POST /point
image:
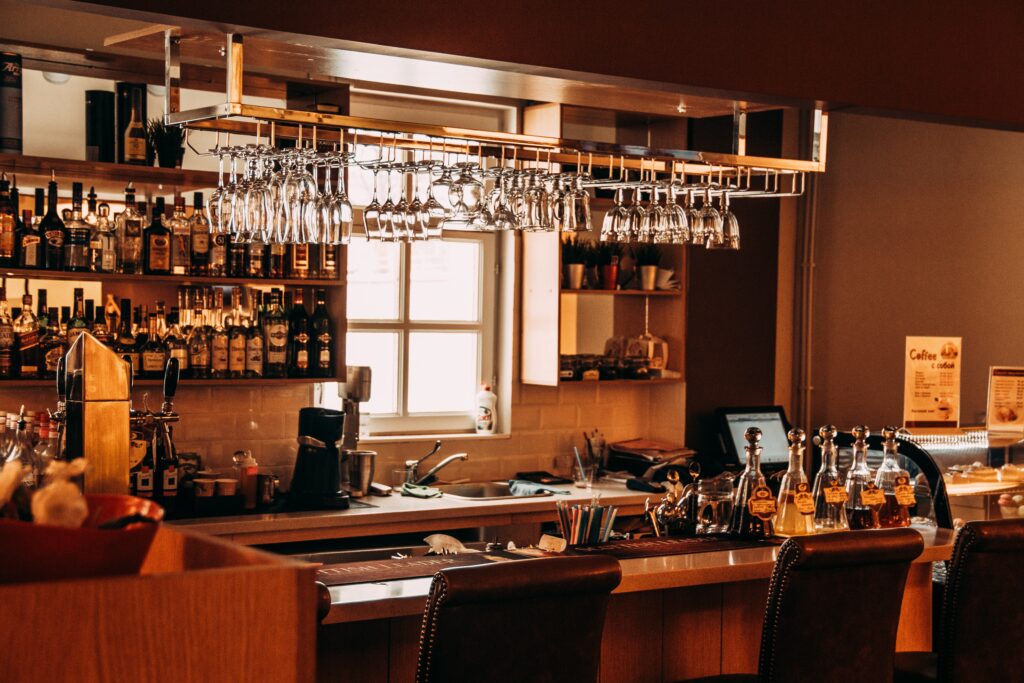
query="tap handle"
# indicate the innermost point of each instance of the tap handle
(171, 374)
(131, 372)
(62, 380)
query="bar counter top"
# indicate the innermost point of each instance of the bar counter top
(369, 601)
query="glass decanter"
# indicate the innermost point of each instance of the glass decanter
(894, 481)
(754, 508)
(829, 493)
(863, 500)
(796, 504)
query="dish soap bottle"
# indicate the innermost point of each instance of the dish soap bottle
(486, 410)
(894, 481)
(796, 504)
(864, 497)
(829, 493)
(754, 508)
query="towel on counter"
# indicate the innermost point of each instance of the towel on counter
(419, 491)
(529, 488)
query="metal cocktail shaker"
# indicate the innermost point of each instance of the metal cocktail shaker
(360, 471)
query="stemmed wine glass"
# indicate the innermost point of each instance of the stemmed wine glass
(678, 226)
(613, 229)
(636, 218)
(371, 214)
(730, 226)
(655, 225)
(257, 202)
(217, 197)
(697, 230)
(711, 222)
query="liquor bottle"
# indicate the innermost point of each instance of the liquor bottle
(26, 334)
(10, 103)
(237, 337)
(90, 311)
(98, 326)
(126, 346)
(78, 234)
(53, 344)
(199, 225)
(42, 312)
(22, 452)
(30, 240)
(254, 343)
(103, 238)
(8, 218)
(157, 240)
(894, 481)
(177, 344)
(755, 507)
(128, 231)
(219, 354)
(65, 318)
(90, 207)
(276, 260)
(323, 338)
(864, 498)
(78, 323)
(48, 448)
(219, 255)
(256, 259)
(112, 315)
(198, 344)
(795, 503)
(328, 269)
(298, 261)
(275, 335)
(299, 338)
(6, 335)
(52, 228)
(829, 493)
(181, 239)
(154, 353)
(134, 140)
(236, 258)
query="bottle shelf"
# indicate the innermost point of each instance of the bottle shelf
(37, 274)
(108, 179)
(262, 382)
(625, 292)
(655, 380)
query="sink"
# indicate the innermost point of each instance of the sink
(486, 490)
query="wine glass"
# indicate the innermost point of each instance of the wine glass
(730, 226)
(343, 205)
(678, 226)
(614, 224)
(697, 231)
(217, 197)
(328, 214)
(387, 211)
(257, 202)
(711, 222)
(654, 226)
(636, 218)
(371, 214)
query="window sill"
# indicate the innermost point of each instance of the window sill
(402, 438)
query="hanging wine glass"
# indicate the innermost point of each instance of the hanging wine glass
(711, 221)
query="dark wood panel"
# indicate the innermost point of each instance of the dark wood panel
(352, 652)
(742, 618)
(405, 647)
(631, 645)
(692, 633)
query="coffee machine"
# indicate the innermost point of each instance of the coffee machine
(317, 481)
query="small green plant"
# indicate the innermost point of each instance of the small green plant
(607, 253)
(647, 254)
(573, 250)
(159, 134)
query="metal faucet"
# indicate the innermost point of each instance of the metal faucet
(412, 475)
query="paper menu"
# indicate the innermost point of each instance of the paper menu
(931, 383)
(1005, 399)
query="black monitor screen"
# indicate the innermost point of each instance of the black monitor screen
(774, 445)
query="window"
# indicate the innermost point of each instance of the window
(421, 315)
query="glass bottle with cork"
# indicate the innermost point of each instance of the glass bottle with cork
(864, 498)
(754, 509)
(829, 493)
(157, 239)
(128, 228)
(26, 334)
(795, 502)
(52, 228)
(78, 234)
(894, 481)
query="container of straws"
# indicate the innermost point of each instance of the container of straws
(585, 524)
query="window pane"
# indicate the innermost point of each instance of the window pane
(374, 271)
(444, 371)
(379, 350)
(445, 281)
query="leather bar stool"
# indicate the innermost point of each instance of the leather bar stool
(982, 620)
(523, 621)
(833, 607)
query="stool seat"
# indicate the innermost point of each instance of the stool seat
(916, 667)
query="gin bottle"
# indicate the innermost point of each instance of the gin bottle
(829, 493)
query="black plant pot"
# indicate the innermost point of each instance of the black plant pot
(170, 155)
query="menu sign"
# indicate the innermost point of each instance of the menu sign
(1005, 399)
(931, 383)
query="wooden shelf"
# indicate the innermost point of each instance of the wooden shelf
(625, 292)
(34, 274)
(108, 179)
(656, 380)
(265, 382)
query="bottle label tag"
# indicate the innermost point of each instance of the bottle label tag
(159, 253)
(53, 356)
(6, 336)
(835, 493)
(904, 492)
(30, 250)
(762, 504)
(254, 356)
(107, 260)
(871, 496)
(152, 361)
(236, 357)
(200, 242)
(181, 353)
(803, 500)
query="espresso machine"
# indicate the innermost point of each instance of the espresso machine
(317, 482)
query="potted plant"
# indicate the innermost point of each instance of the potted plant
(607, 255)
(648, 258)
(167, 142)
(574, 256)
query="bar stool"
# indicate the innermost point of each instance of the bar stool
(524, 620)
(833, 607)
(982, 621)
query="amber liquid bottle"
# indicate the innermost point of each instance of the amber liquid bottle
(858, 480)
(894, 481)
(754, 506)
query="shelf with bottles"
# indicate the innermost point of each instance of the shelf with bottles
(626, 292)
(70, 276)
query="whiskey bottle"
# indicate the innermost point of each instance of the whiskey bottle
(176, 342)
(256, 259)
(795, 503)
(53, 344)
(128, 231)
(52, 228)
(219, 355)
(78, 233)
(323, 338)
(829, 492)
(236, 258)
(894, 481)
(276, 260)
(328, 269)
(199, 344)
(8, 218)
(219, 255)
(236, 337)
(154, 353)
(99, 326)
(30, 240)
(755, 507)
(275, 334)
(26, 334)
(298, 261)
(199, 225)
(157, 239)
(254, 343)
(6, 335)
(77, 324)
(42, 312)
(864, 498)
(135, 134)
(299, 338)
(181, 239)
(125, 345)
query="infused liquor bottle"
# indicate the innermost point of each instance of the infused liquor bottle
(8, 219)
(219, 255)
(30, 249)
(157, 240)
(126, 346)
(754, 509)
(199, 345)
(829, 493)
(220, 357)
(300, 339)
(199, 225)
(864, 497)
(323, 338)
(103, 238)
(236, 337)
(796, 504)
(52, 228)
(134, 139)
(7, 339)
(181, 239)
(128, 228)
(76, 244)
(26, 333)
(54, 344)
(176, 342)
(894, 482)
(254, 341)
(275, 334)
(154, 353)
(78, 323)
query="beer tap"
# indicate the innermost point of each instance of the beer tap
(59, 416)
